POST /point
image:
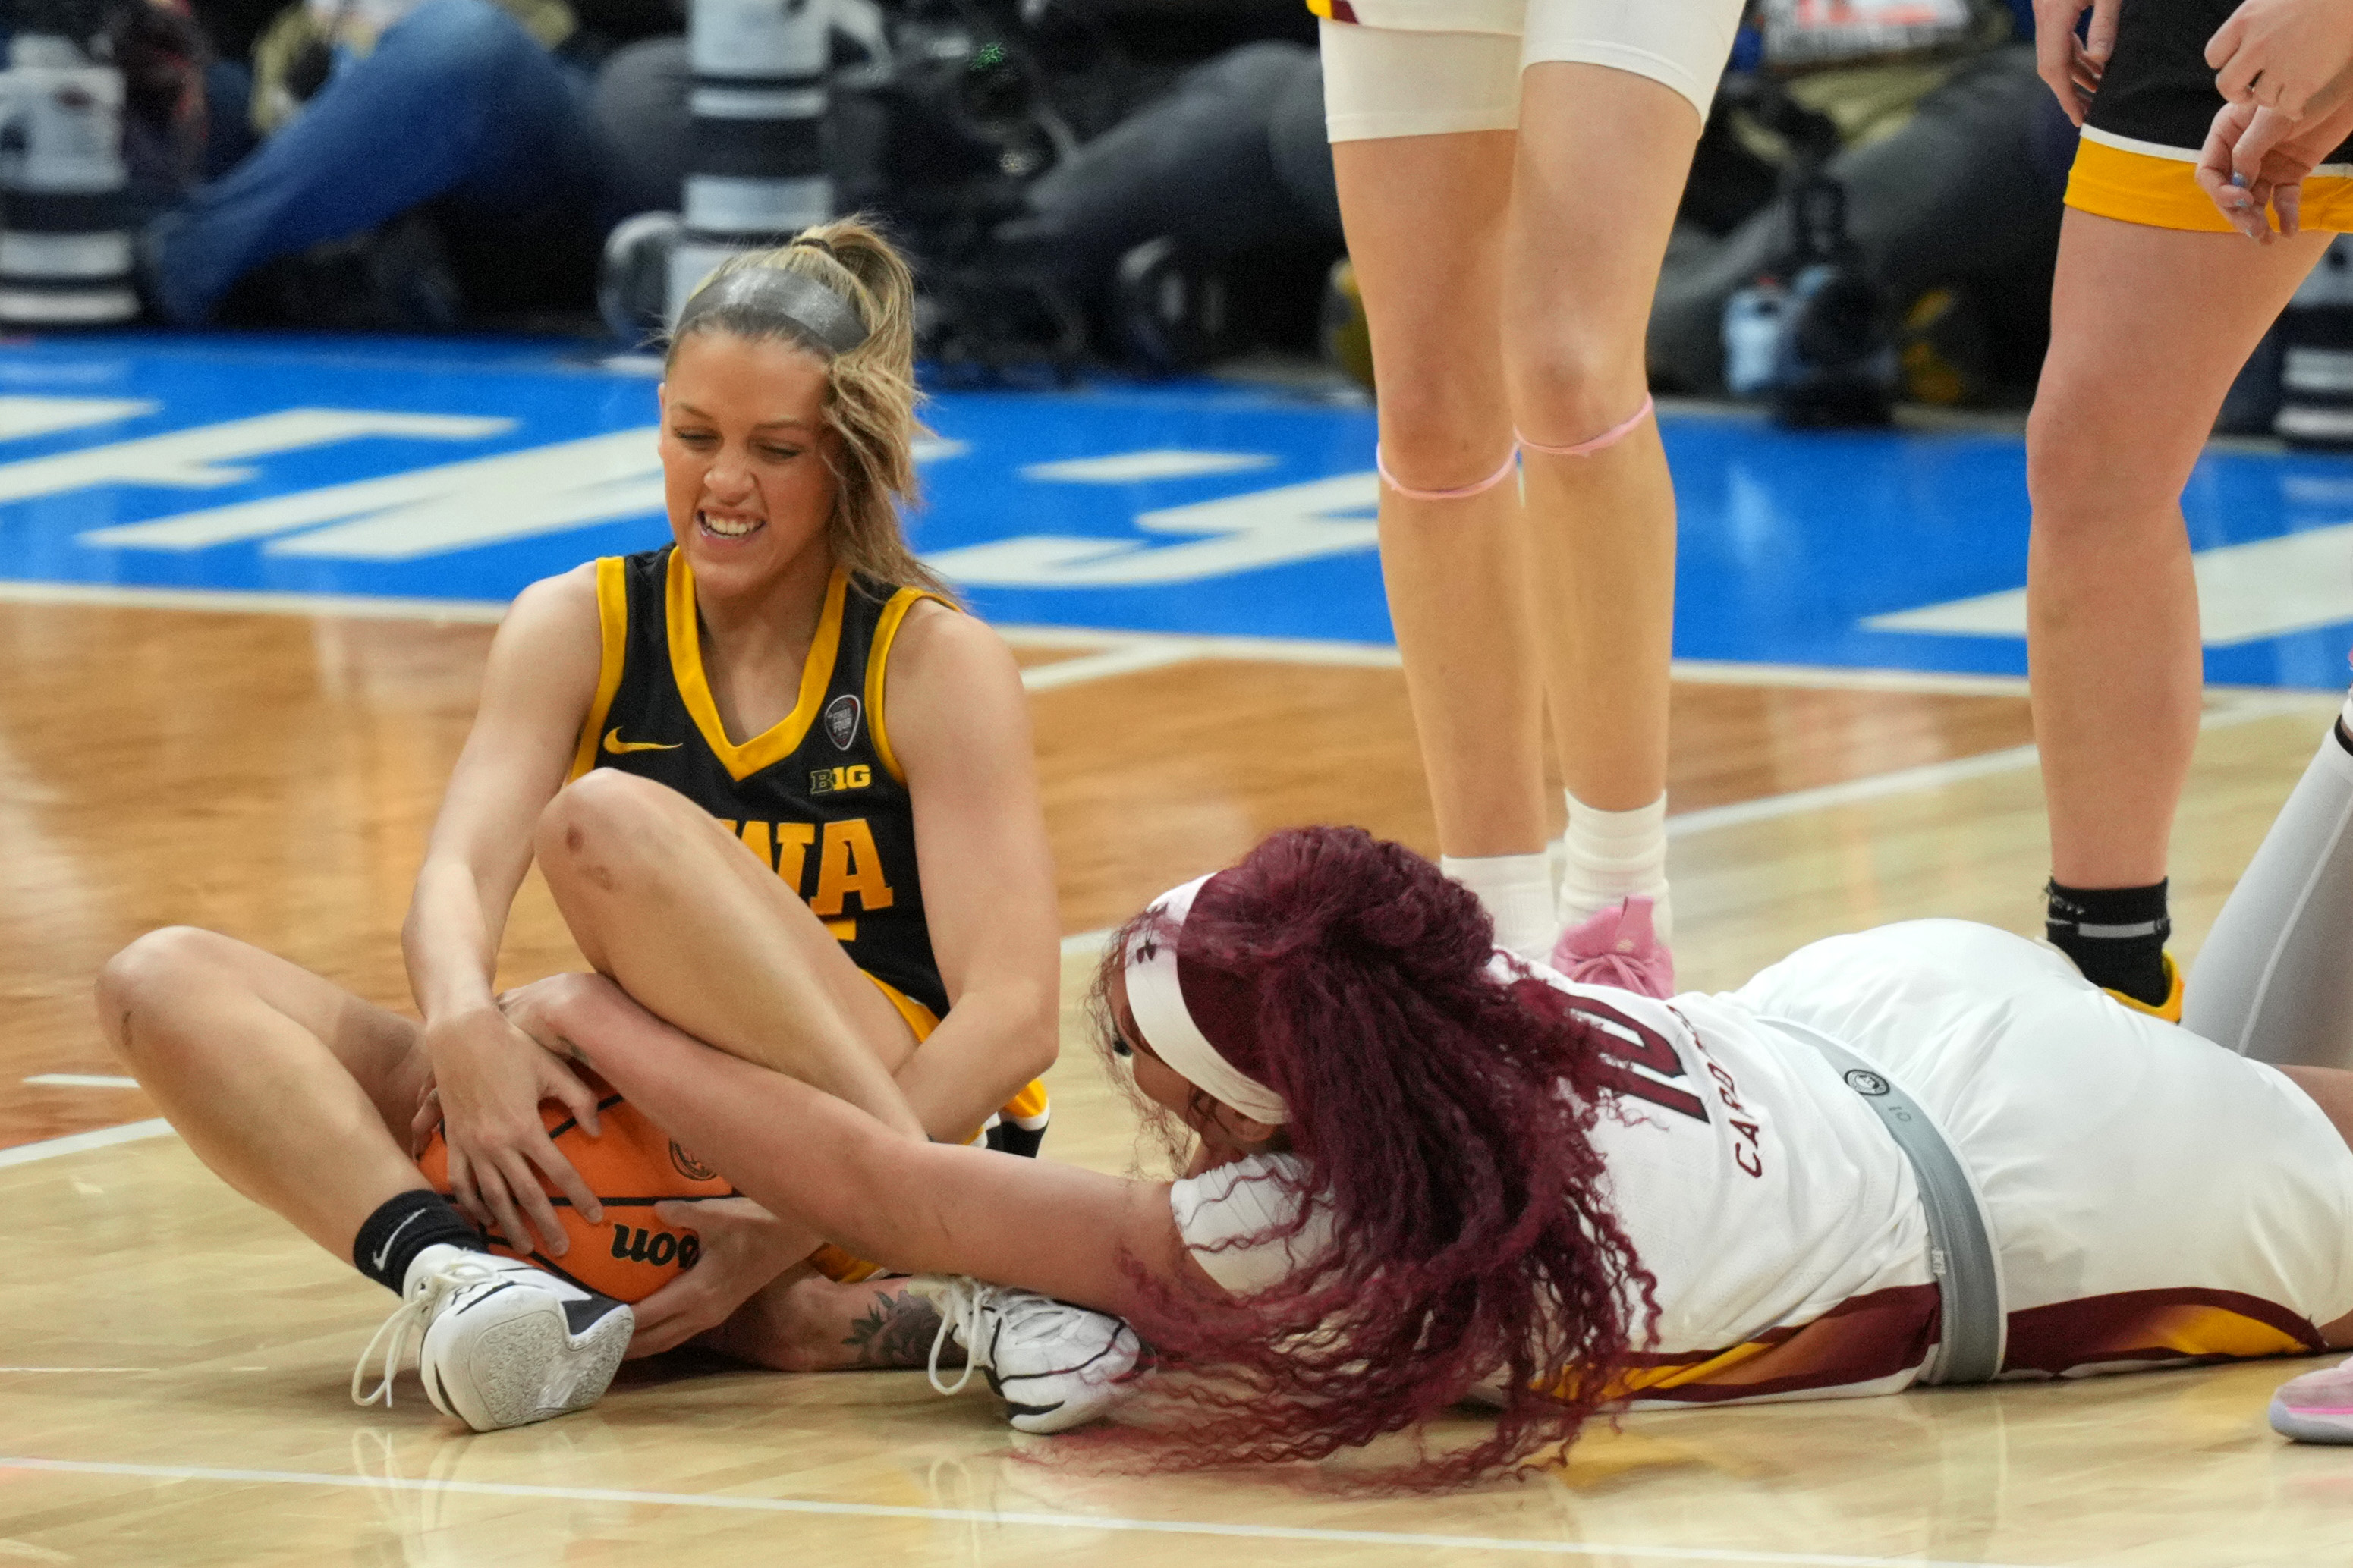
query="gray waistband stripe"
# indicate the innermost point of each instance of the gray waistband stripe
(1968, 1280)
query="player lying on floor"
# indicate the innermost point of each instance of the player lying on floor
(1927, 1152)
(897, 890)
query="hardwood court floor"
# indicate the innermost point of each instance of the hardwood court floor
(176, 1359)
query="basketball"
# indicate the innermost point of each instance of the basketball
(632, 1165)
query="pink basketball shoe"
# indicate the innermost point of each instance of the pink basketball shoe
(2317, 1407)
(1617, 947)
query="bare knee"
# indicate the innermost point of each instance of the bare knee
(146, 975)
(2063, 463)
(599, 829)
(1438, 432)
(1570, 383)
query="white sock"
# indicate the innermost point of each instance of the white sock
(1517, 891)
(1607, 855)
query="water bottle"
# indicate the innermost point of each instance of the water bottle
(1753, 326)
(65, 248)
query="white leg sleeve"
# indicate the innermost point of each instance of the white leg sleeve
(2275, 980)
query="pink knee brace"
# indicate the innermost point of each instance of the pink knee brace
(1511, 459)
(1608, 438)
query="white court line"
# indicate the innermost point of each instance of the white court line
(79, 1369)
(983, 1516)
(81, 1080)
(74, 1142)
(1266, 651)
(2236, 707)
(363, 606)
(1133, 660)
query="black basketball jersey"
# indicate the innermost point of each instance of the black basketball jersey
(818, 796)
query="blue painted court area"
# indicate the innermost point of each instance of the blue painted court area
(464, 469)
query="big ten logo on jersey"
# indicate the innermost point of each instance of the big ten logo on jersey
(848, 866)
(841, 780)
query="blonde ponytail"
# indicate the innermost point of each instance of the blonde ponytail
(871, 393)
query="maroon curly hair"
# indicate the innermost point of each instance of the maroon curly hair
(1472, 1244)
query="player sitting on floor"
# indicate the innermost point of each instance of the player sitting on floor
(1927, 1152)
(720, 705)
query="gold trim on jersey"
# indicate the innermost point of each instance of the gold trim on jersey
(878, 667)
(783, 738)
(613, 628)
(920, 1019)
(2157, 188)
(1026, 1106)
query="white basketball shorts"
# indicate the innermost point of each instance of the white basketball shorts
(2152, 1197)
(1410, 81)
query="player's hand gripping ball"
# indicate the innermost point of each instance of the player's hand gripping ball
(631, 1167)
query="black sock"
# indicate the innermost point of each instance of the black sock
(2338, 729)
(405, 1225)
(2116, 935)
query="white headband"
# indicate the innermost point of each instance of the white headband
(1157, 998)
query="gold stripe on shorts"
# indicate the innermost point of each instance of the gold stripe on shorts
(2159, 190)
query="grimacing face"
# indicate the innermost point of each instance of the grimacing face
(744, 452)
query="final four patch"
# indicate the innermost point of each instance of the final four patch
(841, 721)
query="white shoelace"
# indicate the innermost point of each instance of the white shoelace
(408, 1321)
(969, 1302)
(960, 1315)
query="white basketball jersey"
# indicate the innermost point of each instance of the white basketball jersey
(2153, 1199)
(1780, 1219)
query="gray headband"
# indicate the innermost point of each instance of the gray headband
(792, 300)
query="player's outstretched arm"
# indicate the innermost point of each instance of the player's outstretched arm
(488, 1078)
(918, 1208)
(958, 723)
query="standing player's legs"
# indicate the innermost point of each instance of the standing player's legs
(300, 1096)
(1422, 146)
(2148, 327)
(1613, 100)
(2274, 981)
(1602, 157)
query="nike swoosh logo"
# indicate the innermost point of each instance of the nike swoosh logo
(404, 1225)
(614, 744)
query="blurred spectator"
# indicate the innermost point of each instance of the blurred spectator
(1231, 158)
(1953, 162)
(444, 151)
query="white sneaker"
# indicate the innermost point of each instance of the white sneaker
(502, 1344)
(1055, 1365)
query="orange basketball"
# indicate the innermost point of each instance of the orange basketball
(631, 1165)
